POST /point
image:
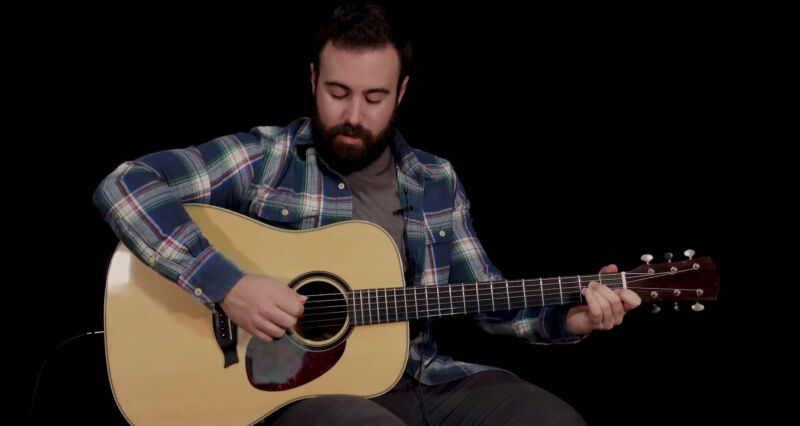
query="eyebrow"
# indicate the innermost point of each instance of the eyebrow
(366, 92)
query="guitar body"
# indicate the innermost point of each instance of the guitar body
(166, 367)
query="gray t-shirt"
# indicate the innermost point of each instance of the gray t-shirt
(375, 197)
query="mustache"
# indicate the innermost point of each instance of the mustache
(350, 130)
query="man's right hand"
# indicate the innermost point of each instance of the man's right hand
(263, 306)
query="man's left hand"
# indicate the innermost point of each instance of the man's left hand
(604, 308)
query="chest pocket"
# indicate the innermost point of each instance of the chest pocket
(287, 211)
(439, 239)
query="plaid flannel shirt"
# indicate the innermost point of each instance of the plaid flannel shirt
(271, 170)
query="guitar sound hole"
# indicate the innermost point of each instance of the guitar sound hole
(325, 312)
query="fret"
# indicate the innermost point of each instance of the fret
(357, 294)
(541, 289)
(600, 278)
(524, 297)
(360, 306)
(386, 299)
(416, 303)
(377, 306)
(438, 301)
(405, 301)
(361, 300)
(427, 306)
(491, 293)
(477, 297)
(464, 295)
(450, 289)
(560, 290)
(508, 296)
(579, 289)
(369, 311)
(396, 314)
(624, 281)
(351, 303)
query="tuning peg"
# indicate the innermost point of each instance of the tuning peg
(689, 253)
(676, 307)
(668, 256)
(698, 307)
(646, 258)
(656, 309)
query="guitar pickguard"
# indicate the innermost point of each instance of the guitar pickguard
(281, 364)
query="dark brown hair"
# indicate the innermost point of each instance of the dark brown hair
(363, 26)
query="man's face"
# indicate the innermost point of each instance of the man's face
(355, 101)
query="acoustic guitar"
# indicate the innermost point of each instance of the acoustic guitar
(171, 361)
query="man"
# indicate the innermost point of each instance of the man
(347, 162)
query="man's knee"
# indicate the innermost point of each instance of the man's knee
(525, 403)
(547, 408)
(334, 410)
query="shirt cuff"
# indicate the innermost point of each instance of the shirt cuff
(211, 276)
(555, 326)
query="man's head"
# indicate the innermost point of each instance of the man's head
(358, 79)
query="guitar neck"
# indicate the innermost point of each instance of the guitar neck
(383, 305)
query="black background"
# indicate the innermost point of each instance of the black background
(583, 138)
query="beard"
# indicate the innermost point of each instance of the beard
(348, 158)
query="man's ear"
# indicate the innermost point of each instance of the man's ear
(313, 80)
(402, 90)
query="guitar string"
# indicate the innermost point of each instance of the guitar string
(512, 284)
(339, 321)
(379, 309)
(317, 324)
(431, 312)
(503, 297)
(553, 282)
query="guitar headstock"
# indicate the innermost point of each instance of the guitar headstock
(691, 280)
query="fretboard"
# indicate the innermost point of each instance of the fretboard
(383, 305)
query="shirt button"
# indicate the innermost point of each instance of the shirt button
(285, 212)
(198, 292)
(442, 233)
(341, 186)
(152, 259)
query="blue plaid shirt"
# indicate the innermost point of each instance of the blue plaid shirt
(270, 171)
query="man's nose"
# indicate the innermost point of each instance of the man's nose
(353, 112)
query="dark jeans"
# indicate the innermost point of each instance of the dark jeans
(487, 398)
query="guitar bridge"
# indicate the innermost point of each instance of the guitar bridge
(226, 334)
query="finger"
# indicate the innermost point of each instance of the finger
(299, 297)
(270, 329)
(630, 300)
(614, 301)
(609, 269)
(281, 318)
(595, 308)
(291, 307)
(607, 320)
(260, 335)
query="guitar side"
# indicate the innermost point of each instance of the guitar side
(164, 364)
